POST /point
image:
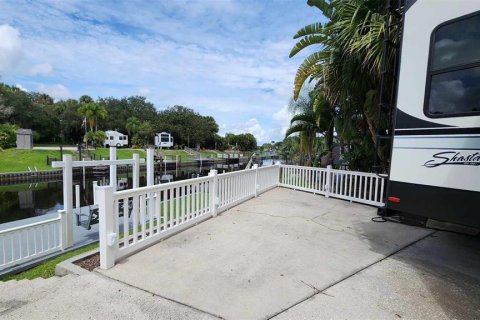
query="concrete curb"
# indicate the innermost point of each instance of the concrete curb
(68, 266)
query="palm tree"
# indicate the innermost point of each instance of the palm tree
(313, 115)
(92, 112)
(348, 67)
(132, 125)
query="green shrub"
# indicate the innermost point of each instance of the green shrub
(8, 135)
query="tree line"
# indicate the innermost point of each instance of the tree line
(72, 121)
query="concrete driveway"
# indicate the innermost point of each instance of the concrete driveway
(268, 256)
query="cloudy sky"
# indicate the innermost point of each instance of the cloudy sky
(225, 58)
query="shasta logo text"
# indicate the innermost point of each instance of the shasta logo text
(453, 158)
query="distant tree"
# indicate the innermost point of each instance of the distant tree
(95, 138)
(92, 113)
(70, 120)
(246, 142)
(133, 123)
(144, 135)
(85, 99)
(187, 126)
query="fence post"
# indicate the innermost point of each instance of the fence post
(150, 168)
(106, 228)
(279, 174)
(77, 196)
(255, 167)
(213, 197)
(63, 228)
(95, 186)
(329, 181)
(136, 171)
(113, 167)
(68, 198)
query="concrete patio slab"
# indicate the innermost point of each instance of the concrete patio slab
(436, 278)
(265, 255)
(86, 297)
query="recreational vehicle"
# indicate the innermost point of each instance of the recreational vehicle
(435, 161)
(115, 139)
(163, 140)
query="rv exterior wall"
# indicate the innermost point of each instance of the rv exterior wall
(435, 159)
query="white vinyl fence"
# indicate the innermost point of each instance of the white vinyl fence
(28, 242)
(132, 219)
(354, 186)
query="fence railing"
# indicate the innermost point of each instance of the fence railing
(28, 242)
(354, 186)
(131, 220)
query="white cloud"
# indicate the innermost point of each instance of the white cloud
(251, 126)
(57, 91)
(19, 86)
(10, 47)
(41, 69)
(281, 122)
(144, 92)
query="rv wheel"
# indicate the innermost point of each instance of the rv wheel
(118, 145)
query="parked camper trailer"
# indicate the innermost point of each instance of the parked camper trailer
(435, 165)
(115, 139)
(163, 140)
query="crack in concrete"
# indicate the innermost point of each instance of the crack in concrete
(311, 286)
(322, 291)
(303, 218)
(158, 295)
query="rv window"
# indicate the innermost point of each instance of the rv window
(453, 80)
(111, 137)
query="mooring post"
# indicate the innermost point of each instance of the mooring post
(136, 171)
(113, 168)
(68, 198)
(150, 167)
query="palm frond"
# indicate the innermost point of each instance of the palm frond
(324, 6)
(306, 69)
(314, 28)
(297, 128)
(305, 117)
(305, 42)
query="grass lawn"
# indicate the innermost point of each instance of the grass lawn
(13, 160)
(47, 268)
(184, 156)
(122, 153)
(23, 187)
(210, 154)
